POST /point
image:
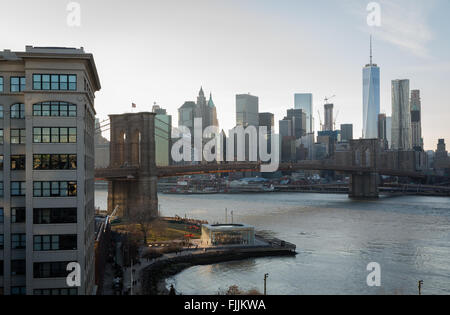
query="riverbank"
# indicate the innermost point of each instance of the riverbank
(155, 275)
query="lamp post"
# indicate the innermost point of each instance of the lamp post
(420, 287)
(265, 283)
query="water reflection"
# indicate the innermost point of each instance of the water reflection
(336, 238)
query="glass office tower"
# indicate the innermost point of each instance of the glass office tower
(304, 101)
(371, 98)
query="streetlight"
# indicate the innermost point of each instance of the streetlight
(420, 287)
(265, 283)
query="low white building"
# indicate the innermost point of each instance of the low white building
(227, 234)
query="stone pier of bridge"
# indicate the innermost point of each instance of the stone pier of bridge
(132, 146)
(365, 154)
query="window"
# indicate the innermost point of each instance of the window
(54, 242)
(2, 241)
(18, 290)
(18, 215)
(1, 272)
(50, 269)
(17, 162)
(55, 82)
(54, 215)
(18, 241)
(55, 189)
(1, 162)
(55, 109)
(18, 136)
(1, 84)
(54, 135)
(63, 291)
(18, 188)
(2, 215)
(55, 161)
(1, 189)
(1, 136)
(1, 110)
(17, 84)
(18, 111)
(18, 267)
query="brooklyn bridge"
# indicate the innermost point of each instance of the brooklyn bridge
(132, 174)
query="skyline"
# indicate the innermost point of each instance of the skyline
(163, 51)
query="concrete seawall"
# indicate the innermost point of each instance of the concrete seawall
(154, 275)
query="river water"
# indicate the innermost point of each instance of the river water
(336, 239)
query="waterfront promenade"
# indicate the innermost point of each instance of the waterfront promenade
(148, 275)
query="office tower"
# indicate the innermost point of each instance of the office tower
(304, 101)
(267, 120)
(186, 115)
(47, 189)
(441, 158)
(288, 149)
(401, 116)
(298, 118)
(285, 127)
(371, 98)
(158, 110)
(382, 126)
(416, 123)
(308, 143)
(389, 131)
(212, 112)
(346, 132)
(382, 130)
(163, 136)
(247, 110)
(328, 126)
(206, 110)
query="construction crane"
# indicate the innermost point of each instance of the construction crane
(320, 118)
(329, 98)
(335, 119)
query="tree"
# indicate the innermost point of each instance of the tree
(143, 218)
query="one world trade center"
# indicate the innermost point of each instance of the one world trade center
(371, 98)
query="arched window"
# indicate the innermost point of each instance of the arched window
(18, 111)
(136, 148)
(55, 109)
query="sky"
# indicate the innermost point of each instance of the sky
(162, 51)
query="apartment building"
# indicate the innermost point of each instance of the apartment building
(47, 121)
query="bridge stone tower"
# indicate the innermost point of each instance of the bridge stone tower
(132, 147)
(365, 154)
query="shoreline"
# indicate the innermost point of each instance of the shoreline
(154, 276)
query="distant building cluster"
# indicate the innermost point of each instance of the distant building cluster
(402, 131)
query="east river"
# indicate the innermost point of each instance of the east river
(336, 238)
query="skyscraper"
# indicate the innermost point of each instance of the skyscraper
(371, 98)
(382, 126)
(247, 110)
(163, 136)
(206, 110)
(304, 101)
(389, 131)
(346, 132)
(401, 116)
(267, 120)
(416, 123)
(328, 126)
(298, 118)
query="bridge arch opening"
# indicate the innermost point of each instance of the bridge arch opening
(121, 146)
(136, 148)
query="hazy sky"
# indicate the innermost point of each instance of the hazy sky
(164, 50)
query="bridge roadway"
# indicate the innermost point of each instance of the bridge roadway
(132, 173)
